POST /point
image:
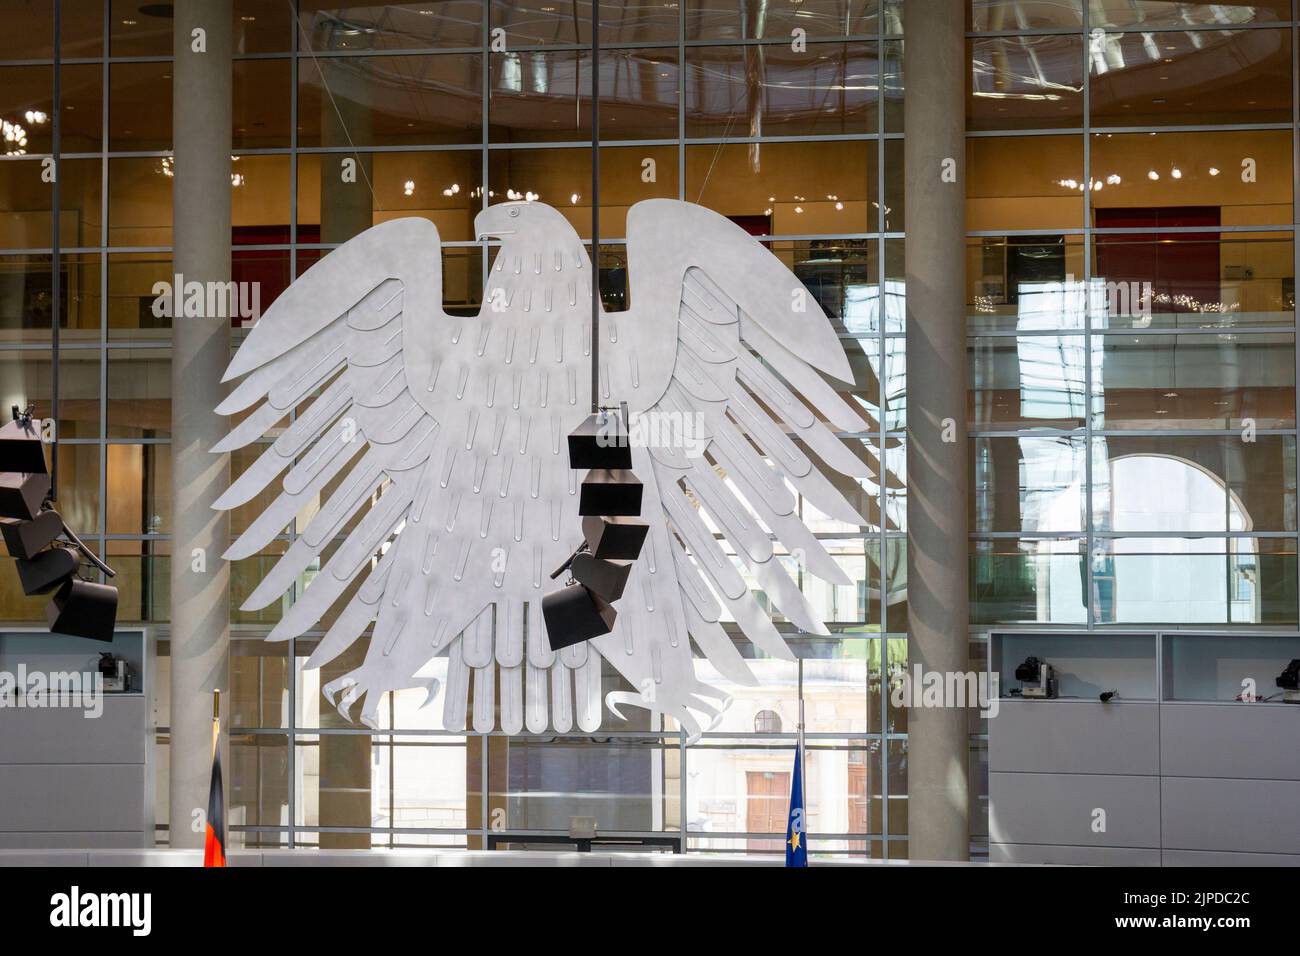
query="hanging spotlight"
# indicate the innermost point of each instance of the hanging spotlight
(610, 506)
(48, 553)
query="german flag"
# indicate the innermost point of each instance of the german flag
(214, 840)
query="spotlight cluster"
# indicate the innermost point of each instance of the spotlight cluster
(49, 554)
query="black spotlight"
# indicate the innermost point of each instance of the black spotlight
(49, 554)
(610, 505)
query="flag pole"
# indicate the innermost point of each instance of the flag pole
(803, 774)
(216, 718)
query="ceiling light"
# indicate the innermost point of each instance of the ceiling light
(1214, 170)
(1152, 175)
(573, 199)
(1176, 173)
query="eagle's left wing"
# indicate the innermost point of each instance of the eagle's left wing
(719, 357)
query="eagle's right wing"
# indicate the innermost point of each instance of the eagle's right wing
(336, 337)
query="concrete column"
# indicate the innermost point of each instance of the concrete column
(200, 579)
(934, 111)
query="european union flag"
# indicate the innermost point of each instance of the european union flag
(796, 847)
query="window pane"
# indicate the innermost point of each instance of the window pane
(766, 187)
(1178, 13)
(1026, 14)
(1027, 580)
(26, 105)
(540, 96)
(768, 90)
(554, 23)
(80, 189)
(1027, 380)
(739, 20)
(133, 32)
(131, 299)
(139, 202)
(260, 103)
(25, 204)
(638, 94)
(263, 26)
(1025, 283)
(1027, 82)
(391, 26)
(626, 784)
(1193, 381)
(1190, 280)
(139, 393)
(389, 100)
(1196, 581)
(1166, 79)
(140, 105)
(1243, 178)
(139, 492)
(1173, 483)
(1024, 182)
(1028, 484)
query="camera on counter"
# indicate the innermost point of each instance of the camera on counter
(1037, 679)
(117, 674)
(1289, 682)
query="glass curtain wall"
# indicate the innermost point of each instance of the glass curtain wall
(786, 118)
(1130, 271)
(1131, 280)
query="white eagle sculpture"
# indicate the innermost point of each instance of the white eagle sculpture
(445, 437)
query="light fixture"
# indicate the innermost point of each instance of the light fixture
(1152, 175)
(573, 199)
(839, 206)
(47, 551)
(1176, 173)
(1214, 170)
(798, 209)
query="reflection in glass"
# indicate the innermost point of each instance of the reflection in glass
(390, 100)
(140, 104)
(768, 90)
(1240, 178)
(1027, 380)
(1027, 484)
(1025, 283)
(1189, 280)
(739, 20)
(1166, 79)
(1194, 483)
(329, 25)
(1027, 580)
(1238, 580)
(540, 96)
(1193, 381)
(1025, 82)
(786, 188)
(1020, 182)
